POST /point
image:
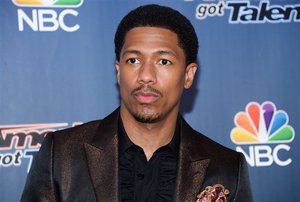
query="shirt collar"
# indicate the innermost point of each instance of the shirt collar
(125, 142)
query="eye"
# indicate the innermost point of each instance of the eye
(165, 62)
(133, 61)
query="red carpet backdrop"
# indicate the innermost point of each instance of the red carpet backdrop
(57, 71)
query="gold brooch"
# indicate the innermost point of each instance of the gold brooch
(216, 193)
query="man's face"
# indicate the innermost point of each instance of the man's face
(152, 74)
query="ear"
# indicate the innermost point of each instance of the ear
(190, 72)
(117, 65)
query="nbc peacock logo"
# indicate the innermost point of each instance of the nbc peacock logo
(261, 126)
(45, 15)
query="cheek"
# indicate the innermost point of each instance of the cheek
(126, 81)
(123, 77)
(173, 85)
(173, 79)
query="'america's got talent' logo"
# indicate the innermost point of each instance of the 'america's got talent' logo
(266, 130)
(249, 12)
(19, 142)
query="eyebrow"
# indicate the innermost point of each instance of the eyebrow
(130, 52)
(160, 52)
(166, 52)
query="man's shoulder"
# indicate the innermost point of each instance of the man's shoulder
(87, 132)
(210, 145)
(221, 157)
(83, 132)
(200, 143)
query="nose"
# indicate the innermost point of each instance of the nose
(147, 74)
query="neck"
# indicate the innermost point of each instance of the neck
(149, 136)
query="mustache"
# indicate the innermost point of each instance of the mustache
(146, 89)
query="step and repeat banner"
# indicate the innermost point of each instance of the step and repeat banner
(57, 71)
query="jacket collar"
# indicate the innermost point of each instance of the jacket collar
(107, 130)
(192, 164)
(102, 157)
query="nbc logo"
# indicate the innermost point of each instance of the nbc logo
(49, 3)
(47, 20)
(261, 127)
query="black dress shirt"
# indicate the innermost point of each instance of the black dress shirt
(142, 180)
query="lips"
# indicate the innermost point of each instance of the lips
(146, 94)
(146, 98)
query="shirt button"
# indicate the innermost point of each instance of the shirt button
(140, 176)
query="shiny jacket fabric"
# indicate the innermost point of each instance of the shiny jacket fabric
(81, 164)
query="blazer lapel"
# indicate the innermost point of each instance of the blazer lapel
(192, 166)
(102, 159)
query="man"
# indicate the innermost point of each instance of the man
(144, 150)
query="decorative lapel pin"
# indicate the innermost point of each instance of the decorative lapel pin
(216, 193)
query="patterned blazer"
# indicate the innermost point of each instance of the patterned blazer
(81, 164)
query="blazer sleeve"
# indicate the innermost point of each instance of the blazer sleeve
(243, 192)
(39, 184)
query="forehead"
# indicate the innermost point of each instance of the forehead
(151, 38)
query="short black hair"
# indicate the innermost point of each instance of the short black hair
(163, 17)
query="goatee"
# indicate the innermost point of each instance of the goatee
(146, 117)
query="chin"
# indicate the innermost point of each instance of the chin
(146, 118)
